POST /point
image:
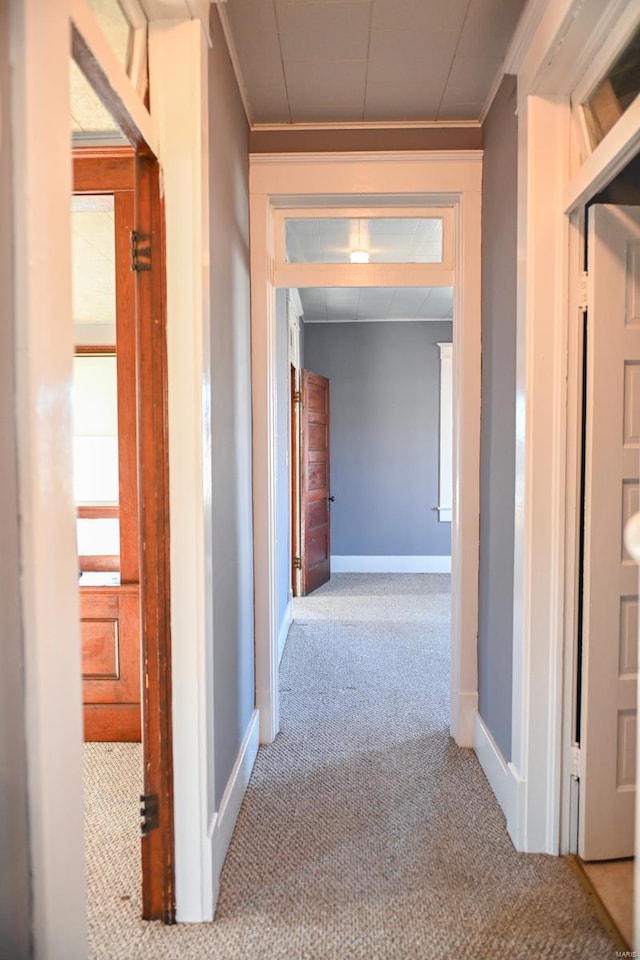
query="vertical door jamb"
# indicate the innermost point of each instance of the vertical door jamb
(157, 844)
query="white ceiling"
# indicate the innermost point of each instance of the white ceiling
(312, 61)
(356, 304)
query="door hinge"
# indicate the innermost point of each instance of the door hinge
(575, 761)
(583, 298)
(297, 396)
(149, 814)
(140, 251)
(297, 563)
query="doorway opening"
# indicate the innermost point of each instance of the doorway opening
(331, 186)
(121, 490)
(606, 654)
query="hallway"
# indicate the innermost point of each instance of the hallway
(365, 832)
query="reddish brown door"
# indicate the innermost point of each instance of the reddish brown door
(105, 332)
(126, 644)
(315, 520)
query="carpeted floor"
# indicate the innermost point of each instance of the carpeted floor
(366, 834)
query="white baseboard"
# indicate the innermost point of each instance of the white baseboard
(497, 771)
(225, 820)
(362, 564)
(284, 629)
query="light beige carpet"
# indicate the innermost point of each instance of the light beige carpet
(366, 834)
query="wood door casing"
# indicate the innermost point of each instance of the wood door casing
(315, 520)
(157, 846)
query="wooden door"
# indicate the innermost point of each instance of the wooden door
(612, 488)
(126, 625)
(105, 335)
(314, 559)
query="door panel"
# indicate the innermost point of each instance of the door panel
(315, 533)
(109, 626)
(608, 740)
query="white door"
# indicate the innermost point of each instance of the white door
(612, 487)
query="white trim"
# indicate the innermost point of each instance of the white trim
(467, 713)
(180, 99)
(287, 620)
(223, 822)
(622, 19)
(410, 564)
(265, 493)
(445, 458)
(523, 35)
(612, 154)
(39, 42)
(500, 774)
(540, 471)
(383, 179)
(433, 158)
(371, 125)
(520, 41)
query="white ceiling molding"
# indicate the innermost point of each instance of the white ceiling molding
(372, 156)
(562, 45)
(523, 34)
(235, 60)
(371, 124)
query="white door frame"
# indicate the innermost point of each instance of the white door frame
(371, 180)
(556, 45)
(41, 50)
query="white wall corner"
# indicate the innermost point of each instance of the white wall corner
(223, 823)
(462, 733)
(179, 94)
(284, 629)
(499, 773)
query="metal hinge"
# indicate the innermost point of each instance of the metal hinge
(149, 813)
(140, 251)
(575, 762)
(297, 563)
(583, 300)
(297, 396)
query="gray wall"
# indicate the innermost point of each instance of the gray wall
(497, 443)
(385, 402)
(15, 898)
(233, 656)
(283, 407)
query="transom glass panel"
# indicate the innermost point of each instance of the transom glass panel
(364, 240)
(615, 92)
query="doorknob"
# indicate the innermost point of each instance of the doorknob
(331, 499)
